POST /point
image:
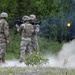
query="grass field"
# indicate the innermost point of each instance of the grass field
(36, 71)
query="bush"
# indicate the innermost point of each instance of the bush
(35, 59)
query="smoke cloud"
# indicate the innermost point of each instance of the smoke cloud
(65, 58)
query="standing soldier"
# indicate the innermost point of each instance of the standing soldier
(4, 33)
(26, 29)
(34, 35)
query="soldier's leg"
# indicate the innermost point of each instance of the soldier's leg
(22, 54)
(3, 52)
(0, 51)
(29, 47)
(27, 51)
(3, 57)
(35, 44)
(0, 60)
(22, 50)
(0, 56)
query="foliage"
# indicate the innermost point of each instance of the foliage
(49, 46)
(35, 59)
(13, 48)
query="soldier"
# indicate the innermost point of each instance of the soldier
(26, 29)
(4, 33)
(34, 35)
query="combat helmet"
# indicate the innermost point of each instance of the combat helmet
(25, 18)
(32, 16)
(4, 14)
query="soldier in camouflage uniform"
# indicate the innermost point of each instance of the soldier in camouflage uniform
(26, 29)
(4, 33)
(34, 35)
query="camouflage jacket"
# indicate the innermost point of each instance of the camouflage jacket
(4, 29)
(36, 28)
(22, 29)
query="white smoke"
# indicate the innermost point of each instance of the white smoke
(65, 58)
(67, 55)
(13, 63)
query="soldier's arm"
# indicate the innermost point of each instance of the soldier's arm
(37, 28)
(21, 28)
(6, 30)
(17, 26)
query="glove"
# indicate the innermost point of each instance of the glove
(31, 31)
(17, 26)
(7, 41)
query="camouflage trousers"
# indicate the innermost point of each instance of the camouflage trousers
(25, 45)
(2, 49)
(34, 43)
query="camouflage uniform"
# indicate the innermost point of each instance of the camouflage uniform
(34, 39)
(25, 38)
(4, 33)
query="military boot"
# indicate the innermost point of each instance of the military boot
(0, 60)
(3, 60)
(21, 60)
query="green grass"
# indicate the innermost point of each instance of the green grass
(11, 55)
(13, 48)
(36, 71)
(50, 47)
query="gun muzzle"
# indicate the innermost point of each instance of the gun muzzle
(68, 24)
